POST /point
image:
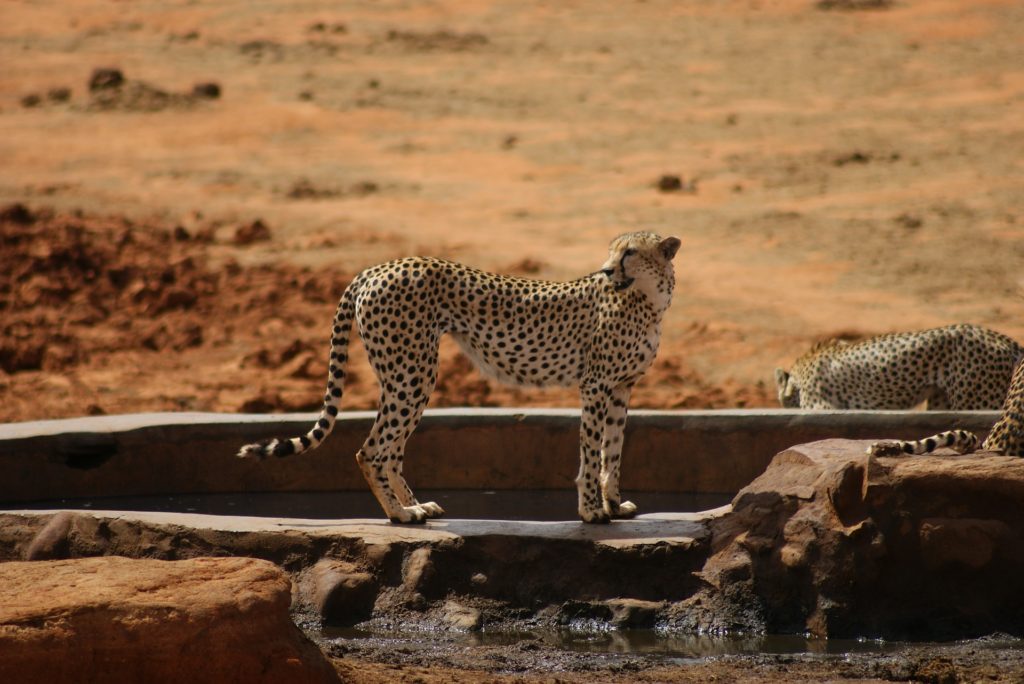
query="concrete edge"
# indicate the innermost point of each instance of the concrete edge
(671, 528)
(712, 452)
(487, 416)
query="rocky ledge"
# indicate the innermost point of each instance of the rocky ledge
(124, 620)
(836, 543)
(827, 540)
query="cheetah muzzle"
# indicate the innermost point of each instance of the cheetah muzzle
(599, 332)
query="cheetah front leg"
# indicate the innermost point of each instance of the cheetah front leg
(611, 454)
(595, 401)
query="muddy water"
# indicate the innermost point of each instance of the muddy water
(614, 652)
(540, 504)
(647, 642)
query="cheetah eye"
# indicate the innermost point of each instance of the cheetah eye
(629, 252)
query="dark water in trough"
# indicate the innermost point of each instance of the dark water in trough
(537, 504)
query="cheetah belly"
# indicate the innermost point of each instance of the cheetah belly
(549, 365)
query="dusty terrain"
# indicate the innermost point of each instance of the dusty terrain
(841, 171)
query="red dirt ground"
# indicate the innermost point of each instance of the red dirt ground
(842, 172)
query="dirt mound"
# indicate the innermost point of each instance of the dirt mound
(110, 90)
(103, 314)
(80, 287)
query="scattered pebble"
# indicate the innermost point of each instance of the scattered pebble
(104, 77)
(854, 5)
(323, 27)
(909, 221)
(209, 90)
(257, 231)
(673, 183)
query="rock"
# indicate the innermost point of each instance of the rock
(834, 542)
(59, 94)
(104, 78)
(633, 613)
(674, 183)
(115, 619)
(52, 542)
(576, 612)
(418, 570)
(339, 592)
(669, 183)
(209, 91)
(246, 234)
(460, 617)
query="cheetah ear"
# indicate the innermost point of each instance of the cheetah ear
(668, 247)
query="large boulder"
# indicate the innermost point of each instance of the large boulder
(834, 542)
(115, 619)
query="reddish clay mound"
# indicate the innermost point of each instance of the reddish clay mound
(102, 314)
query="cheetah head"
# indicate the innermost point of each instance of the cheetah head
(789, 391)
(643, 261)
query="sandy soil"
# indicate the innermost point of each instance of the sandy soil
(842, 172)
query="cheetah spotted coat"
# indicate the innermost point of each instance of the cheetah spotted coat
(599, 332)
(1006, 437)
(958, 367)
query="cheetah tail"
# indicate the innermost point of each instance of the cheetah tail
(960, 441)
(340, 331)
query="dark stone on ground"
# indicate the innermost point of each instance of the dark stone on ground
(104, 77)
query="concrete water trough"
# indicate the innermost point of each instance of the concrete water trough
(485, 463)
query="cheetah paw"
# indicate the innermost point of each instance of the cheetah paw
(597, 517)
(432, 509)
(410, 515)
(621, 511)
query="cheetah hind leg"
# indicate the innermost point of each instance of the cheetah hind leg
(399, 403)
(376, 475)
(404, 494)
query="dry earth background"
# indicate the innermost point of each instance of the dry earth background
(842, 172)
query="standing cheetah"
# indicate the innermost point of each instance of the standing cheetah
(958, 367)
(599, 332)
(1006, 437)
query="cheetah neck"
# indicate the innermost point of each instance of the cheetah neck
(656, 295)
